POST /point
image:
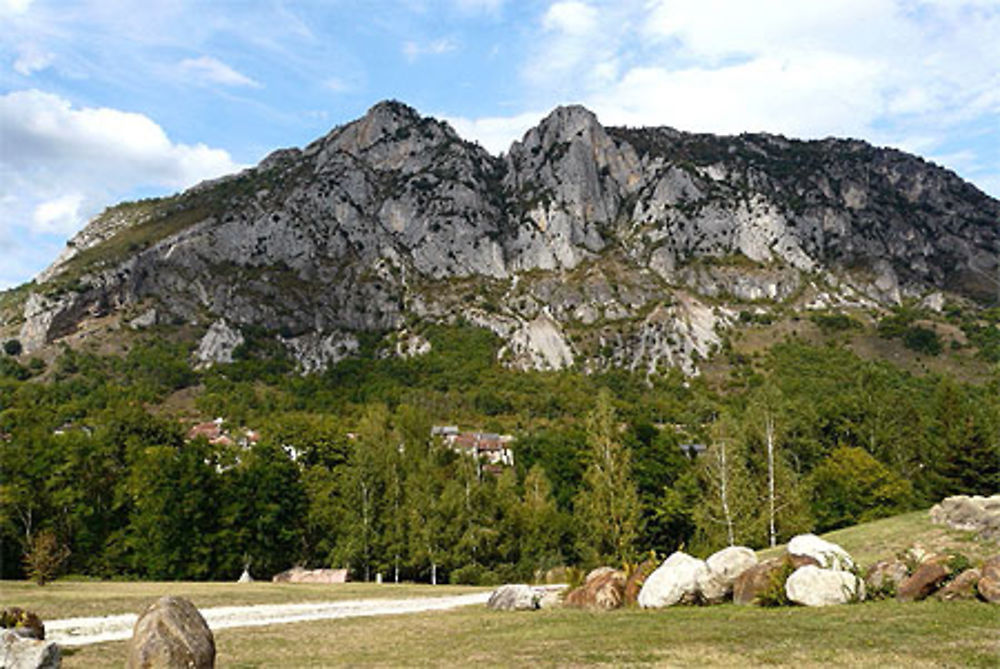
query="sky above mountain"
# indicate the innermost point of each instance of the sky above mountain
(102, 100)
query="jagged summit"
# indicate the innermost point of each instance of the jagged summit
(582, 245)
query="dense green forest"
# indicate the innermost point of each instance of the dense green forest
(346, 471)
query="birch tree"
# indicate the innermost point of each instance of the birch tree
(608, 506)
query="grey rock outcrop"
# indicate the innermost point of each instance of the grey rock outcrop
(975, 513)
(582, 245)
(218, 343)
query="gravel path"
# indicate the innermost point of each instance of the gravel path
(85, 631)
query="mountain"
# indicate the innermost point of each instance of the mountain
(583, 245)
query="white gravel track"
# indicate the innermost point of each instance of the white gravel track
(85, 631)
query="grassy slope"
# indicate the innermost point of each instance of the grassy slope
(870, 542)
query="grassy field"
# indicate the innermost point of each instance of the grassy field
(71, 599)
(885, 633)
(958, 634)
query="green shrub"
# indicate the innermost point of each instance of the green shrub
(774, 594)
(922, 340)
(12, 347)
(834, 322)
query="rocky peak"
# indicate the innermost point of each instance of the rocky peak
(393, 219)
(390, 136)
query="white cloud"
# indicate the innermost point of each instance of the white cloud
(60, 215)
(208, 70)
(31, 59)
(42, 131)
(8, 7)
(572, 18)
(413, 50)
(495, 134)
(61, 164)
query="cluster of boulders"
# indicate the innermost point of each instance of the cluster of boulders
(971, 513)
(813, 572)
(917, 574)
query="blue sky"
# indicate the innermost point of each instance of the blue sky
(102, 100)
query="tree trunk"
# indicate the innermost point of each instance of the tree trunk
(724, 493)
(434, 573)
(769, 430)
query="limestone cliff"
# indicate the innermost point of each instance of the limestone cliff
(582, 245)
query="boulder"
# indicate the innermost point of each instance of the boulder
(884, 577)
(812, 586)
(635, 580)
(171, 633)
(674, 582)
(962, 586)
(971, 513)
(603, 589)
(755, 580)
(828, 555)
(989, 582)
(724, 566)
(19, 652)
(518, 597)
(924, 581)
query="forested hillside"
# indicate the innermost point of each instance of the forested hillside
(346, 473)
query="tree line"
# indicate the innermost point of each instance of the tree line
(347, 473)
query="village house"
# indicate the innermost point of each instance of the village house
(493, 450)
(214, 433)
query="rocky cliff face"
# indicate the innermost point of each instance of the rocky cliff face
(582, 245)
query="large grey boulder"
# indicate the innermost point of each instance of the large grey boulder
(514, 597)
(18, 652)
(676, 581)
(812, 586)
(171, 633)
(724, 567)
(829, 555)
(975, 514)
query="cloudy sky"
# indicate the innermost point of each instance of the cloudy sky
(102, 100)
